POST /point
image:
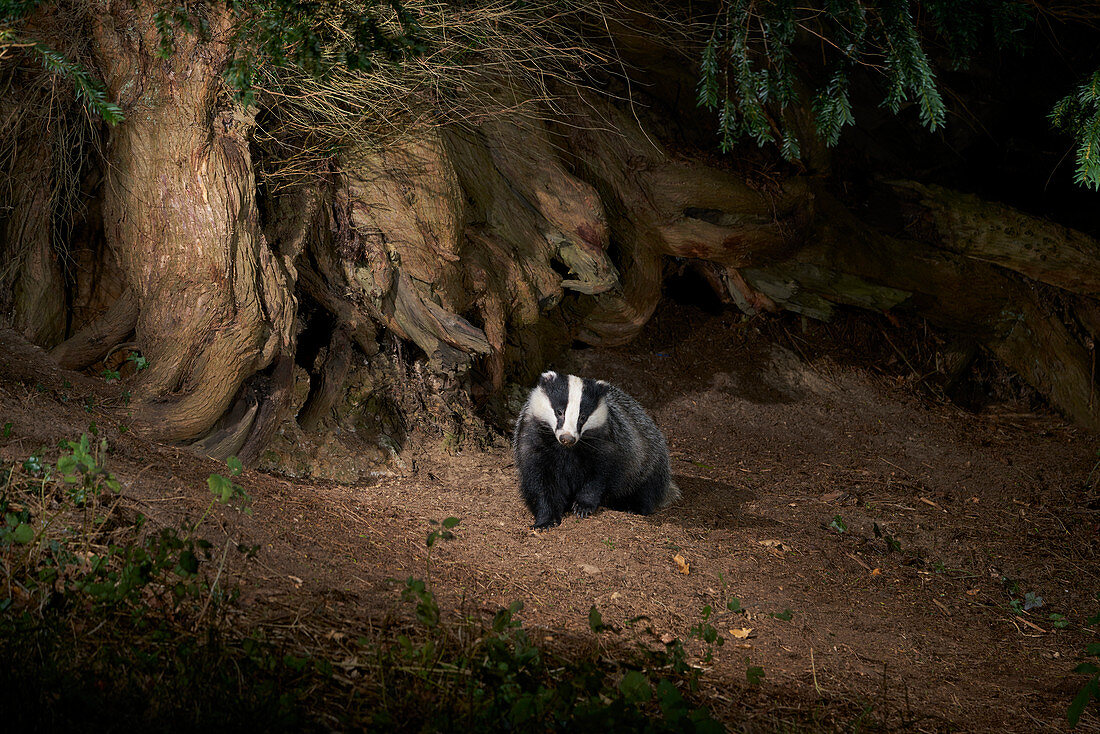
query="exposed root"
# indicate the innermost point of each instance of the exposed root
(95, 341)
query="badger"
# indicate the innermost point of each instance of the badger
(581, 443)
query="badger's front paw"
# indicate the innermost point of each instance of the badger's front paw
(583, 510)
(546, 523)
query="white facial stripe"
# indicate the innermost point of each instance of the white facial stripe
(598, 417)
(539, 408)
(573, 407)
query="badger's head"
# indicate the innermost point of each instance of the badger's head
(569, 405)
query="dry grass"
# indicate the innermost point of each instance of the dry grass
(481, 60)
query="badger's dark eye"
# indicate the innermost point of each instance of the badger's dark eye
(559, 412)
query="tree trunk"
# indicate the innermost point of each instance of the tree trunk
(32, 287)
(215, 304)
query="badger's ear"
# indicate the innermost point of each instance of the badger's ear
(547, 377)
(599, 387)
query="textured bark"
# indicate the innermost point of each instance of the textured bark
(32, 287)
(963, 295)
(326, 389)
(662, 206)
(215, 304)
(94, 341)
(489, 244)
(1041, 250)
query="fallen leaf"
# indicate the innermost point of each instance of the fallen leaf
(778, 545)
(668, 638)
(876, 572)
(590, 570)
(972, 592)
(685, 567)
(297, 581)
(741, 633)
(743, 646)
(833, 496)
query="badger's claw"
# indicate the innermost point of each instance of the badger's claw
(547, 523)
(583, 510)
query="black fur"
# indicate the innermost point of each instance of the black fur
(622, 465)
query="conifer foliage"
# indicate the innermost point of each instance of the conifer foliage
(1078, 113)
(748, 77)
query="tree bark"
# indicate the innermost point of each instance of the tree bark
(32, 286)
(215, 304)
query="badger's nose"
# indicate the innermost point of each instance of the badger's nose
(567, 439)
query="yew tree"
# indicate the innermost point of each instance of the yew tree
(307, 214)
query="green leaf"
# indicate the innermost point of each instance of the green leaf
(838, 524)
(220, 487)
(451, 522)
(189, 562)
(595, 620)
(1032, 601)
(754, 674)
(1088, 692)
(635, 687)
(235, 465)
(22, 534)
(734, 605)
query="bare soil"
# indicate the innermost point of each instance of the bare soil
(779, 438)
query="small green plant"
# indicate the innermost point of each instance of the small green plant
(111, 375)
(225, 490)
(83, 469)
(786, 615)
(1058, 621)
(754, 674)
(893, 545)
(442, 532)
(1032, 601)
(734, 605)
(427, 610)
(1090, 690)
(609, 543)
(6, 431)
(838, 525)
(495, 678)
(595, 621)
(138, 361)
(707, 633)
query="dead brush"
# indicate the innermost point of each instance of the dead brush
(479, 60)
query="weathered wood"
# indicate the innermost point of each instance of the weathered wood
(92, 343)
(968, 297)
(326, 386)
(659, 205)
(32, 289)
(180, 214)
(811, 289)
(1040, 249)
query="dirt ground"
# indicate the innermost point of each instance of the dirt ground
(780, 440)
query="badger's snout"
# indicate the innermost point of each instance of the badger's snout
(566, 439)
